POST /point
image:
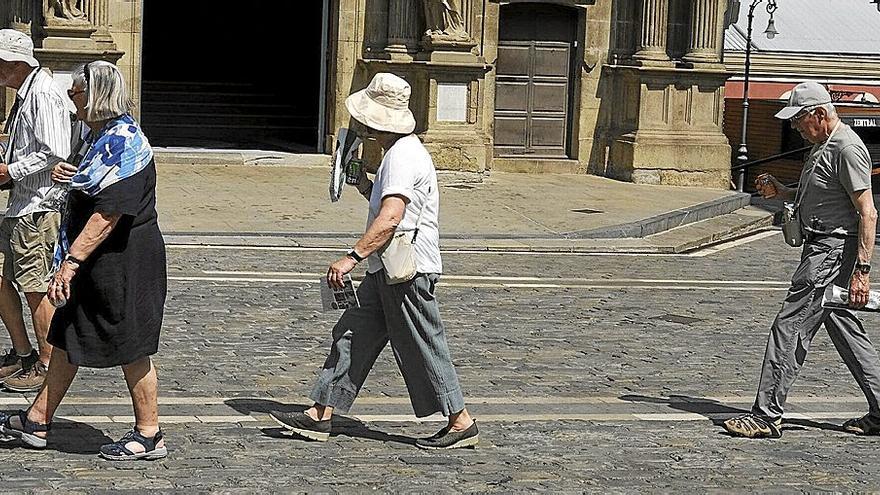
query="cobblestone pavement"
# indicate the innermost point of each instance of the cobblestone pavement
(602, 374)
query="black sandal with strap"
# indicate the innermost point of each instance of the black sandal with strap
(117, 451)
(866, 425)
(26, 433)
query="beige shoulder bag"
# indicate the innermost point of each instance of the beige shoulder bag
(398, 256)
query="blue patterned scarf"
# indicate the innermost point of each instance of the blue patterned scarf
(119, 151)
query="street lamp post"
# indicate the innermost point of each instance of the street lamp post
(771, 32)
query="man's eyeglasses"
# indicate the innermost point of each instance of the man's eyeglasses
(799, 117)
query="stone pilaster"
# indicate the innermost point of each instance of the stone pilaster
(707, 31)
(404, 26)
(98, 12)
(653, 32)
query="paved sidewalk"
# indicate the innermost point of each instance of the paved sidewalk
(288, 201)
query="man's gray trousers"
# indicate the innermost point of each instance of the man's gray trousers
(407, 314)
(824, 260)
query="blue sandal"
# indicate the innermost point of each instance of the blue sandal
(117, 451)
(8, 433)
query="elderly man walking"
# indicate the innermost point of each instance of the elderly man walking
(839, 222)
(39, 128)
(401, 310)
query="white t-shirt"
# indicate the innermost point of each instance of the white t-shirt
(407, 170)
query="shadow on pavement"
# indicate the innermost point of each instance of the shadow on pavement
(69, 437)
(342, 425)
(718, 412)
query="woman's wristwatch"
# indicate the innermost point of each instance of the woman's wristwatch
(863, 268)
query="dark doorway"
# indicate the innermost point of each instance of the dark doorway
(534, 76)
(232, 75)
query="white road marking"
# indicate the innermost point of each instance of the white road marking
(707, 251)
(212, 401)
(483, 418)
(445, 277)
(594, 406)
(499, 285)
(498, 282)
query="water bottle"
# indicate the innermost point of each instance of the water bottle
(354, 171)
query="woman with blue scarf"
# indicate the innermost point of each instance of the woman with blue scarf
(110, 279)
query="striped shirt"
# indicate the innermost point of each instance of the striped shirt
(39, 139)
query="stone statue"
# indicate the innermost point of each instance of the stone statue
(443, 19)
(64, 11)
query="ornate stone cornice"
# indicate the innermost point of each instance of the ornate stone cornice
(805, 66)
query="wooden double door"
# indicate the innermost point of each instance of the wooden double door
(534, 80)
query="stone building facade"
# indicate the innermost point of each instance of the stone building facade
(629, 89)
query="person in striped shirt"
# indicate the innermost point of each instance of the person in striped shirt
(39, 136)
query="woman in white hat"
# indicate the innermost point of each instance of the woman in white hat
(404, 198)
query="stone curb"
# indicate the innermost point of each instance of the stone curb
(667, 221)
(638, 229)
(532, 245)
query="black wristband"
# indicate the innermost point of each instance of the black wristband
(353, 254)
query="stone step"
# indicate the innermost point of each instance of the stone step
(714, 230)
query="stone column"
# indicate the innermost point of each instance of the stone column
(403, 26)
(652, 42)
(707, 31)
(98, 12)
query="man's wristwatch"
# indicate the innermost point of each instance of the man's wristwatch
(353, 255)
(863, 268)
(73, 259)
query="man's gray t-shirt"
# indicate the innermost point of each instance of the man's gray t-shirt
(843, 168)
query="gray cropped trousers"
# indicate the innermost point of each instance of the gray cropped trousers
(408, 316)
(824, 260)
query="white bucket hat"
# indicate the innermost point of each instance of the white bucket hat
(383, 105)
(16, 46)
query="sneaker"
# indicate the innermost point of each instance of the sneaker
(866, 425)
(446, 439)
(752, 426)
(303, 425)
(30, 380)
(13, 365)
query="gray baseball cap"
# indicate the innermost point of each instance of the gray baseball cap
(805, 95)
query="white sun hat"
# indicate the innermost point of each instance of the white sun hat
(383, 105)
(16, 46)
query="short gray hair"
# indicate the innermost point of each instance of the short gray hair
(829, 108)
(106, 91)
